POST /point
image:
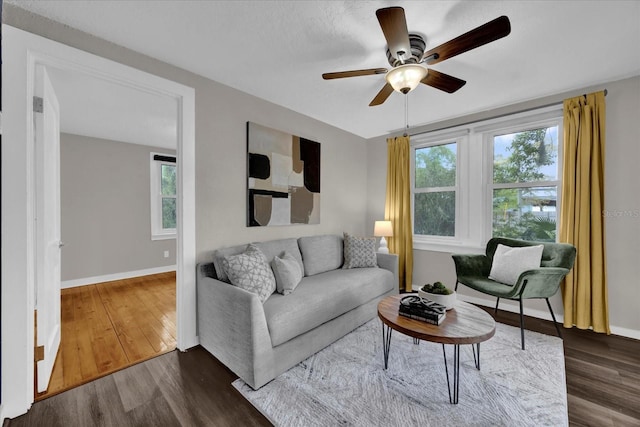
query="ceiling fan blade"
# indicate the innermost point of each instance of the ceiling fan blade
(443, 81)
(354, 73)
(394, 26)
(491, 31)
(382, 96)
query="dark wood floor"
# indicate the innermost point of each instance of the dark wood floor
(193, 388)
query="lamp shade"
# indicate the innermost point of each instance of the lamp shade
(383, 229)
(405, 78)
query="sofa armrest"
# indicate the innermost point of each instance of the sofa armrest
(232, 326)
(471, 265)
(389, 262)
(540, 282)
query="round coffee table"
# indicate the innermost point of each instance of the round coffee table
(464, 324)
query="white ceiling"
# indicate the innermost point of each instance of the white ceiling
(94, 107)
(277, 50)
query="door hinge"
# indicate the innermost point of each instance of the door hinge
(38, 354)
(38, 104)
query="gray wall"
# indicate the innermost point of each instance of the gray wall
(105, 208)
(622, 201)
(221, 116)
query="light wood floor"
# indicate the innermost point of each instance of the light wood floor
(109, 326)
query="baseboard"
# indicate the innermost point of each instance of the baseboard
(506, 305)
(116, 276)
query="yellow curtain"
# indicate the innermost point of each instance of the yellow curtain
(581, 220)
(397, 207)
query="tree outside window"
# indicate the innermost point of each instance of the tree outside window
(434, 190)
(525, 184)
(168, 195)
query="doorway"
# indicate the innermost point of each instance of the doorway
(23, 52)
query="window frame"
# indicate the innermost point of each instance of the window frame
(474, 175)
(155, 174)
(460, 138)
(491, 186)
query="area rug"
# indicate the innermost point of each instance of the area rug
(346, 384)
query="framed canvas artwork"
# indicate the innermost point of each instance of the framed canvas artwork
(283, 178)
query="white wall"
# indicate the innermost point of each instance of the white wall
(622, 201)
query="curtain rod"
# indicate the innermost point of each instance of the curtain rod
(494, 117)
(605, 93)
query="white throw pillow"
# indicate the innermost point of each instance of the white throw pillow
(509, 263)
(359, 252)
(251, 272)
(288, 273)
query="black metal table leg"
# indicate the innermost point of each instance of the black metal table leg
(476, 359)
(453, 397)
(386, 343)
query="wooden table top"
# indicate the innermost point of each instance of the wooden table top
(464, 324)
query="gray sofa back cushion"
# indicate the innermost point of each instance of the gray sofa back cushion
(320, 253)
(277, 248)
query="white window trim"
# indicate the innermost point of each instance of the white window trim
(474, 178)
(157, 232)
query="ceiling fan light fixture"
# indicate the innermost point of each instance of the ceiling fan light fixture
(405, 78)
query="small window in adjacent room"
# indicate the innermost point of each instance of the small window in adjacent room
(163, 196)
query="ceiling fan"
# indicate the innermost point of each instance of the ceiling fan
(405, 53)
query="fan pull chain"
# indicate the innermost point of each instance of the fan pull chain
(406, 115)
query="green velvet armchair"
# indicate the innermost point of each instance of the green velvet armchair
(557, 260)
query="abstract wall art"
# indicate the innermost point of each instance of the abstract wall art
(283, 178)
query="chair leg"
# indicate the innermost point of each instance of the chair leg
(456, 288)
(554, 318)
(496, 309)
(521, 324)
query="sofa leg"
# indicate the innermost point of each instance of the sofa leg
(521, 324)
(554, 318)
(495, 311)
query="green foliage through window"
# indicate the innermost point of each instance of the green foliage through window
(525, 212)
(435, 198)
(168, 192)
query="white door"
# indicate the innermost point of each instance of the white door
(48, 244)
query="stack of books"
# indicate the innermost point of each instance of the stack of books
(414, 307)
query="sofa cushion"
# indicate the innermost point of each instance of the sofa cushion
(219, 255)
(277, 248)
(508, 262)
(288, 273)
(359, 252)
(323, 297)
(320, 253)
(251, 272)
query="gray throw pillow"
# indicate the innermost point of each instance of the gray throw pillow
(287, 272)
(359, 252)
(251, 272)
(509, 262)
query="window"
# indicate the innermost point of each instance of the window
(525, 184)
(498, 177)
(434, 197)
(163, 196)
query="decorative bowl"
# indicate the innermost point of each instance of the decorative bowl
(447, 300)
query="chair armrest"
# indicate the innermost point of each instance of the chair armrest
(540, 282)
(232, 326)
(389, 262)
(472, 265)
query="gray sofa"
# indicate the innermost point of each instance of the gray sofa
(260, 341)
